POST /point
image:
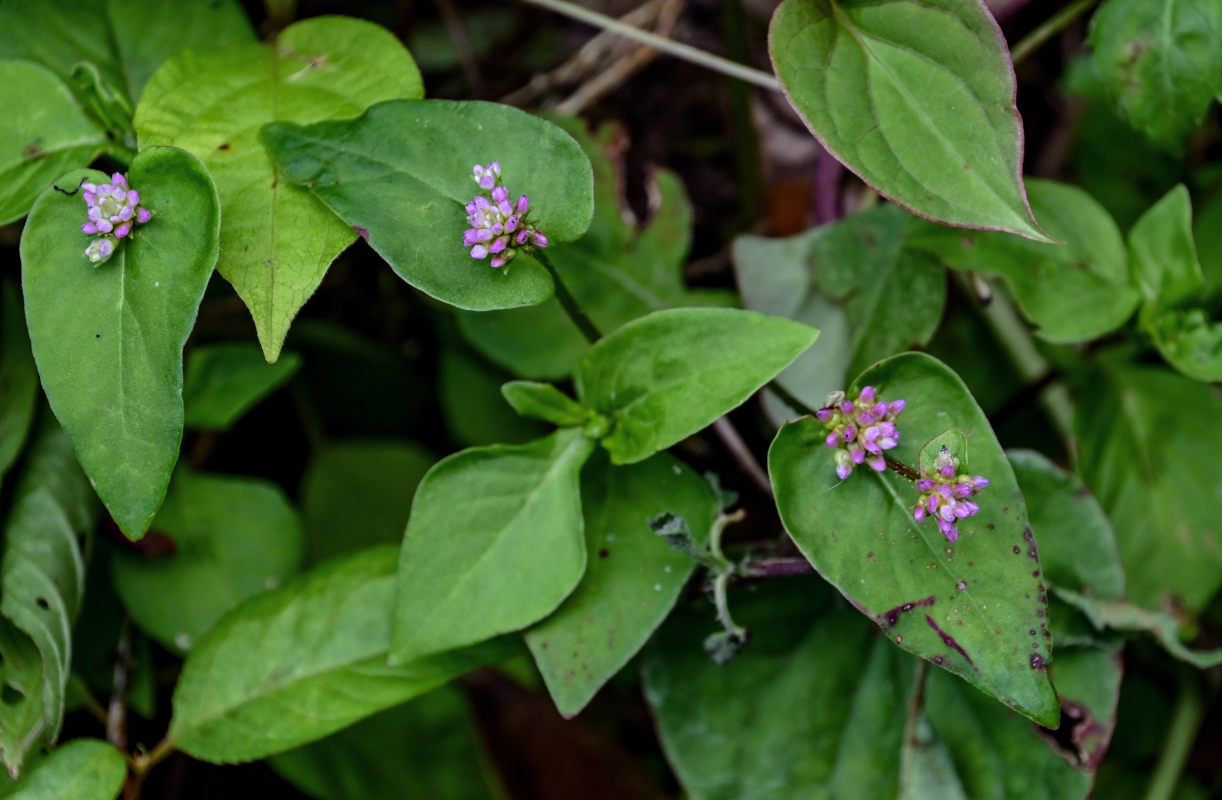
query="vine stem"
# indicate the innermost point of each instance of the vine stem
(1049, 28)
(568, 302)
(677, 49)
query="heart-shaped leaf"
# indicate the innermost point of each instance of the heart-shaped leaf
(663, 377)
(494, 544)
(401, 175)
(916, 97)
(976, 607)
(291, 666)
(276, 241)
(108, 339)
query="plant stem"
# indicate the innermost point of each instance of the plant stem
(676, 49)
(583, 323)
(733, 441)
(1049, 28)
(789, 399)
(1189, 711)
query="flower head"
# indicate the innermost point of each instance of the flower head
(946, 494)
(499, 224)
(860, 430)
(113, 210)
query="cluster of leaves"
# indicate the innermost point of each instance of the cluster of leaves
(322, 637)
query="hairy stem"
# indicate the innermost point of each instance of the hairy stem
(676, 49)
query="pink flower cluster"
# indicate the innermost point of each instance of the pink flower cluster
(499, 225)
(860, 430)
(946, 495)
(114, 208)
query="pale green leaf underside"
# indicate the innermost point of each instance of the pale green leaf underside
(915, 97)
(291, 666)
(108, 339)
(276, 240)
(494, 543)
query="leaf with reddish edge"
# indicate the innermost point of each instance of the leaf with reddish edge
(917, 98)
(966, 606)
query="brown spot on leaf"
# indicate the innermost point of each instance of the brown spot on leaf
(889, 618)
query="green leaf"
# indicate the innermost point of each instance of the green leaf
(41, 585)
(663, 377)
(966, 606)
(893, 296)
(224, 381)
(108, 339)
(1073, 291)
(1190, 342)
(618, 271)
(1207, 232)
(18, 378)
(401, 176)
(357, 493)
(474, 409)
(1088, 682)
(634, 576)
(1151, 451)
(276, 241)
(774, 278)
(1163, 253)
(1119, 615)
(124, 40)
(1161, 61)
(293, 665)
(83, 769)
(1077, 545)
(545, 402)
(473, 563)
(425, 749)
(231, 538)
(917, 98)
(45, 133)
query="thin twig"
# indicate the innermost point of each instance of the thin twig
(733, 441)
(1049, 28)
(462, 43)
(116, 709)
(668, 46)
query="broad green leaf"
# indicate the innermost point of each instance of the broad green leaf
(1207, 233)
(1076, 290)
(544, 402)
(1150, 448)
(425, 749)
(276, 241)
(774, 278)
(1119, 615)
(634, 576)
(1163, 253)
(41, 585)
(108, 339)
(296, 664)
(231, 538)
(472, 405)
(124, 40)
(18, 378)
(44, 134)
(224, 381)
(83, 769)
(967, 606)
(893, 296)
(1088, 682)
(917, 98)
(817, 706)
(1161, 61)
(1191, 342)
(663, 377)
(618, 271)
(1077, 545)
(400, 175)
(357, 493)
(494, 544)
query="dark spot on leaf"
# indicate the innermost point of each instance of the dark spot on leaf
(1038, 661)
(1035, 574)
(544, 645)
(891, 617)
(603, 553)
(32, 151)
(223, 146)
(1040, 612)
(1032, 631)
(362, 232)
(938, 660)
(43, 604)
(97, 336)
(949, 640)
(1017, 549)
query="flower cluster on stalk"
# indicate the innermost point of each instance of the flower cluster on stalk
(860, 430)
(114, 209)
(946, 495)
(500, 227)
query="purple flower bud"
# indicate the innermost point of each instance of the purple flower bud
(932, 503)
(523, 204)
(947, 470)
(833, 439)
(487, 182)
(947, 512)
(877, 463)
(924, 485)
(856, 453)
(824, 414)
(89, 227)
(522, 236)
(105, 226)
(867, 395)
(499, 261)
(847, 408)
(962, 511)
(469, 237)
(500, 194)
(89, 187)
(850, 433)
(874, 448)
(123, 230)
(119, 181)
(871, 433)
(887, 442)
(961, 490)
(511, 224)
(897, 406)
(949, 530)
(945, 491)
(143, 215)
(504, 207)
(125, 214)
(979, 483)
(484, 235)
(918, 513)
(843, 471)
(499, 245)
(866, 418)
(479, 251)
(539, 239)
(879, 410)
